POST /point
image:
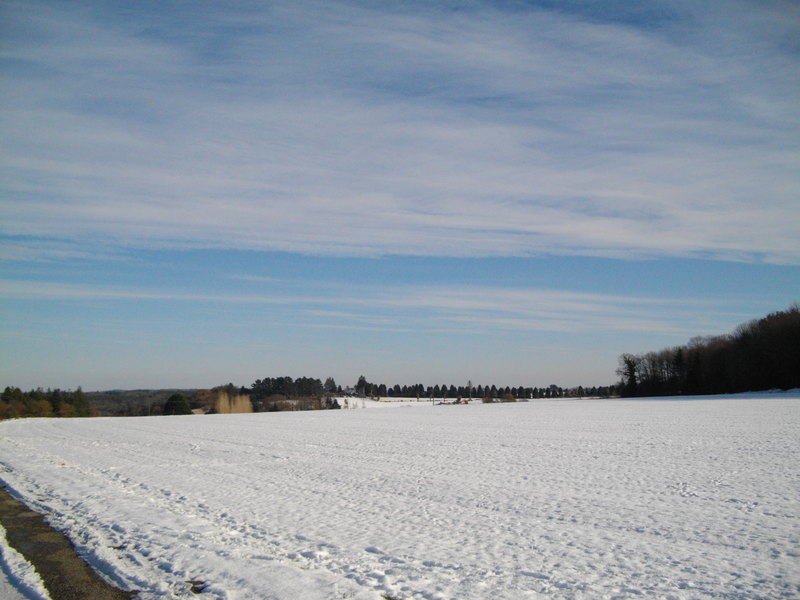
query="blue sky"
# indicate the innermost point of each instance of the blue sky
(504, 192)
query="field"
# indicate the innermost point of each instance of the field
(646, 498)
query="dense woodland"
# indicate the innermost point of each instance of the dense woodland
(759, 355)
(40, 403)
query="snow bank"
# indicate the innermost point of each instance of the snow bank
(18, 579)
(546, 499)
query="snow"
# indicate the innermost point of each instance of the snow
(18, 579)
(652, 498)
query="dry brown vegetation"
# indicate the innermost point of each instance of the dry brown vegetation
(226, 404)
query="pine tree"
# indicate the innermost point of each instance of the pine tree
(177, 405)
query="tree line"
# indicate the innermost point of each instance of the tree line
(761, 354)
(310, 393)
(264, 395)
(469, 391)
(291, 388)
(284, 393)
(14, 403)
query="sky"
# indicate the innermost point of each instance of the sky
(510, 192)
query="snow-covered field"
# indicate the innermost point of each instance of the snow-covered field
(668, 498)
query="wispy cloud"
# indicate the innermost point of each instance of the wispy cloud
(340, 128)
(424, 308)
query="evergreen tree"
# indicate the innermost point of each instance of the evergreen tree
(330, 386)
(80, 404)
(177, 405)
(361, 386)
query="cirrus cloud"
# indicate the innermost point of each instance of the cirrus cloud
(347, 128)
